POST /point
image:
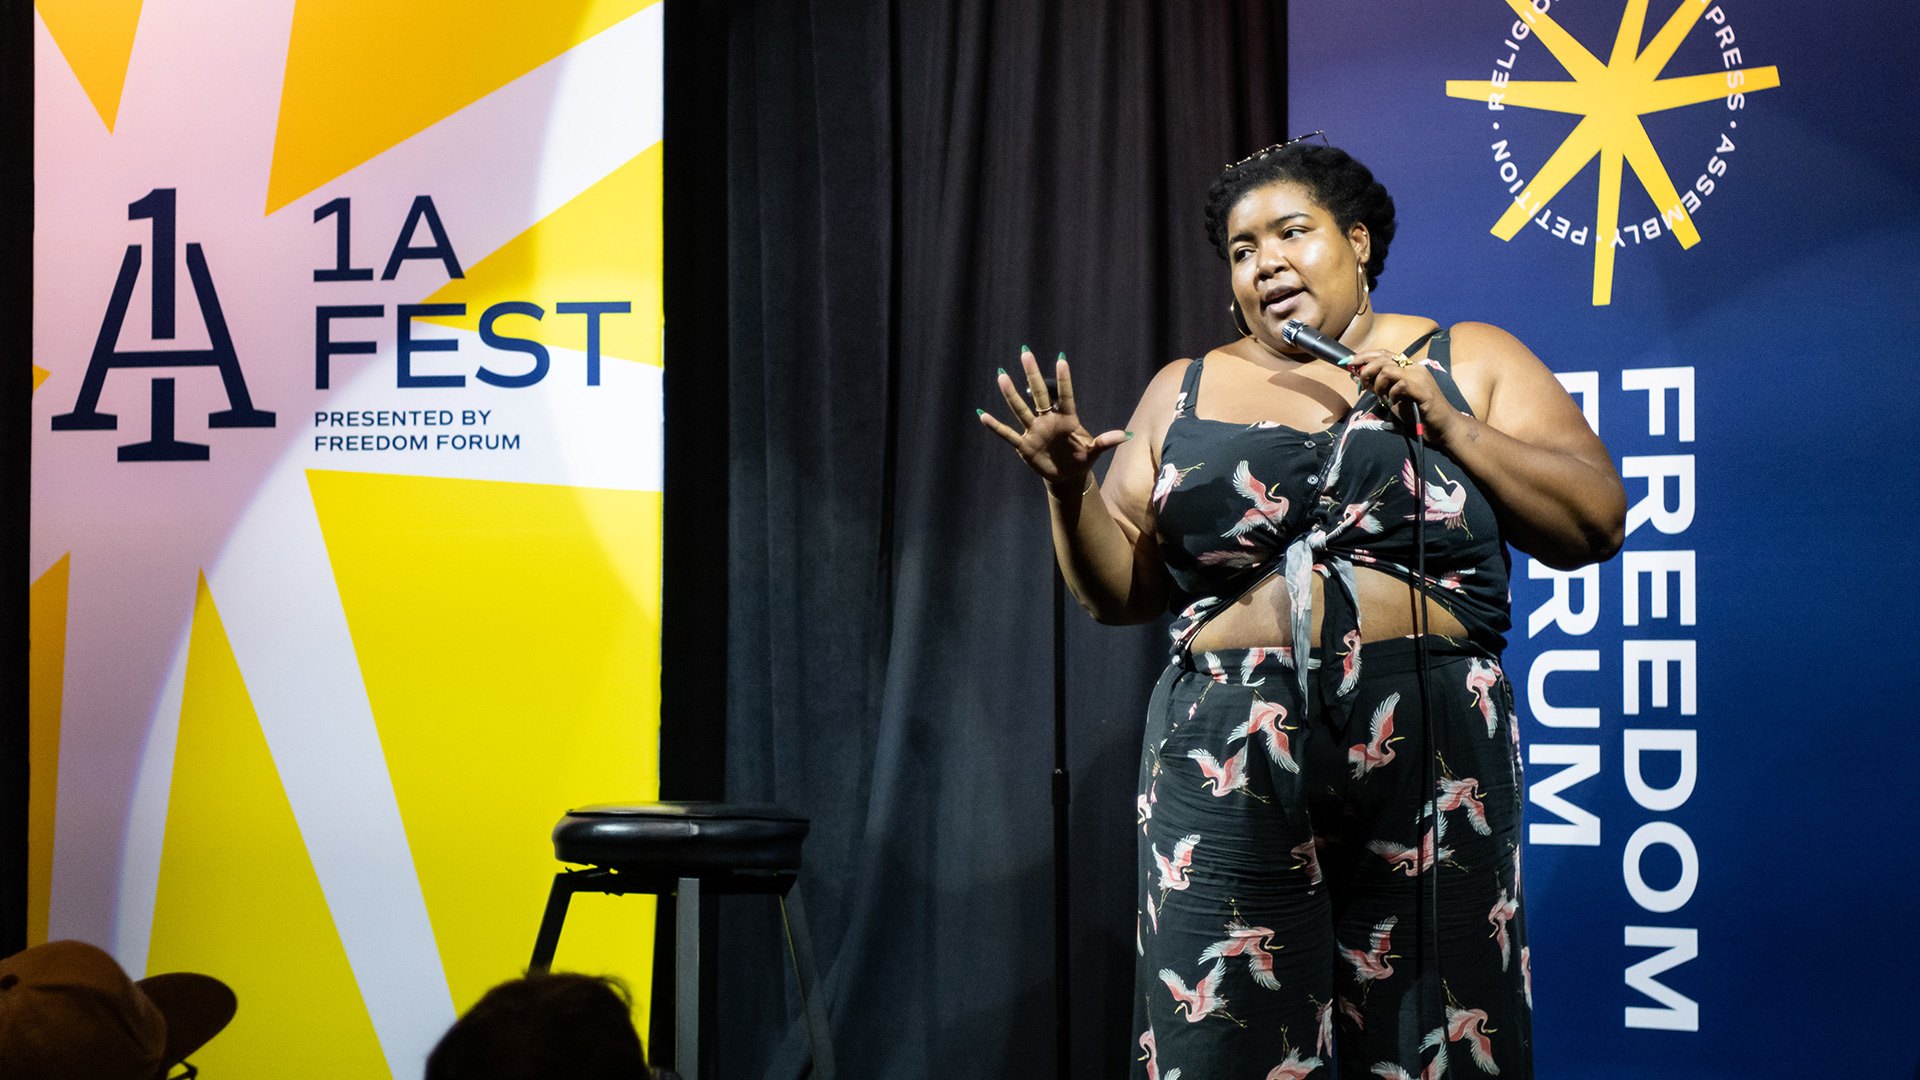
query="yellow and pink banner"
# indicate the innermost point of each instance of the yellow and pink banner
(346, 497)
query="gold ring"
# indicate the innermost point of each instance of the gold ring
(1400, 360)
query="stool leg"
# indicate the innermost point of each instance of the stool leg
(691, 977)
(793, 917)
(549, 938)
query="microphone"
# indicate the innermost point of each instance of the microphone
(1313, 341)
(1295, 332)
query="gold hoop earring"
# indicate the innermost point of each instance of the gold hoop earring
(1366, 297)
(1239, 318)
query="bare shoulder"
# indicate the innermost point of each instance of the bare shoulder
(1510, 387)
(1158, 400)
(1484, 345)
(1166, 381)
(1484, 356)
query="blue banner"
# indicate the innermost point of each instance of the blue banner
(1705, 218)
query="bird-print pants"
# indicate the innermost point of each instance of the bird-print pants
(1288, 863)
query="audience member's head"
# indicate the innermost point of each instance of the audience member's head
(69, 1012)
(576, 1026)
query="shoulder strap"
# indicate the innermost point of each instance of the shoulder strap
(1189, 390)
(1441, 353)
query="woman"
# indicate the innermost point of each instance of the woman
(1311, 806)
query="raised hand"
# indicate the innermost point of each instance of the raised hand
(1051, 439)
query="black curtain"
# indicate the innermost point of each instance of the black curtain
(912, 192)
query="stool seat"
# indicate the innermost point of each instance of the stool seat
(683, 850)
(682, 839)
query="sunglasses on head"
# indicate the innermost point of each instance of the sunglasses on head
(1264, 151)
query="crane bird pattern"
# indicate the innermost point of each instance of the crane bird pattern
(1259, 750)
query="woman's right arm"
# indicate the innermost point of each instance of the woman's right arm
(1103, 535)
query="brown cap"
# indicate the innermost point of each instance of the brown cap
(69, 1012)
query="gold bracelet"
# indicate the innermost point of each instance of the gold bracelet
(1083, 493)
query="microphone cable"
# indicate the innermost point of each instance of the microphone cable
(1296, 332)
(1417, 456)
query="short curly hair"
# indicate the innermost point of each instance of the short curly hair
(1336, 181)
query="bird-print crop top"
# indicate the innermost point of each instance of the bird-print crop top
(1235, 501)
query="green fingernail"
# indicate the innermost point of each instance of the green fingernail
(1026, 349)
(1062, 356)
(1002, 371)
(979, 412)
(1129, 434)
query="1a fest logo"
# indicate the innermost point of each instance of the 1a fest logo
(159, 207)
(1611, 96)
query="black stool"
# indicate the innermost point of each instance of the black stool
(687, 849)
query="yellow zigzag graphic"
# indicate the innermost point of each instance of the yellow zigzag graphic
(46, 678)
(96, 37)
(508, 634)
(365, 75)
(238, 898)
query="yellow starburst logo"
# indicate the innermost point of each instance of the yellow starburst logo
(1611, 98)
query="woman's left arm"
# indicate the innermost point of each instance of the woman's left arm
(1550, 478)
